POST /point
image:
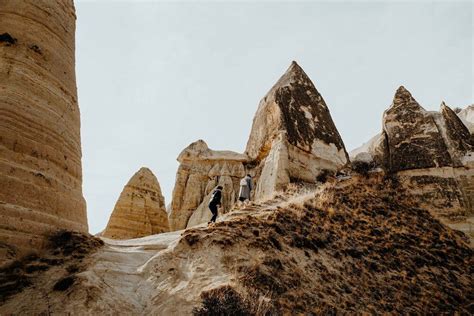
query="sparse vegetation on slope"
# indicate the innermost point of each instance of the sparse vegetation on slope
(353, 247)
(66, 251)
(360, 245)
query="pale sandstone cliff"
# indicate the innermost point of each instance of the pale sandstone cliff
(140, 210)
(293, 139)
(201, 170)
(40, 145)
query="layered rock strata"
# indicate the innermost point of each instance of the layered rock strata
(140, 210)
(201, 170)
(40, 145)
(293, 139)
(430, 152)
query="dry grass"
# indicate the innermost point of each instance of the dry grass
(357, 246)
(66, 252)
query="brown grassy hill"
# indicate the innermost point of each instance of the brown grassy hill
(352, 246)
(356, 246)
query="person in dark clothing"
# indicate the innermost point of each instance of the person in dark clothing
(215, 202)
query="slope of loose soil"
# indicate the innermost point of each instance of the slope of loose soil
(358, 245)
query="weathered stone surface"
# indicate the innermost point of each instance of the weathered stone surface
(201, 170)
(293, 139)
(140, 210)
(430, 152)
(293, 136)
(467, 117)
(413, 137)
(376, 148)
(40, 146)
(456, 135)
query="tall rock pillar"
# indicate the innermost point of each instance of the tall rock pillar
(40, 144)
(293, 136)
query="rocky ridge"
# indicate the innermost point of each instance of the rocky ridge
(360, 245)
(293, 139)
(365, 242)
(432, 153)
(40, 145)
(140, 210)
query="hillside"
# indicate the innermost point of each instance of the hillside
(354, 245)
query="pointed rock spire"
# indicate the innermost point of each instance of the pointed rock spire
(140, 210)
(293, 74)
(413, 138)
(458, 134)
(293, 135)
(293, 106)
(404, 101)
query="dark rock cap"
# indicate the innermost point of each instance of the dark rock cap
(304, 116)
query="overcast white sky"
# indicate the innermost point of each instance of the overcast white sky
(153, 76)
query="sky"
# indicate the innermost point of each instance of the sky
(154, 76)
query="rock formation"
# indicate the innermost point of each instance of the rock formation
(40, 145)
(293, 139)
(467, 117)
(413, 138)
(355, 246)
(430, 152)
(201, 170)
(293, 136)
(140, 210)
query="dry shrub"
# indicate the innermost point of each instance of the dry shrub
(362, 167)
(324, 175)
(13, 278)
(222, 301)
(75, 244)
(64, 247)
(65, 283)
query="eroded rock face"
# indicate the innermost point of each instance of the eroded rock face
(201, 170)
(293, 139)
(467, 117)
(456, 135)
(140, 210)
(293, 136)
(431, 153)
(413, 137)
(40, 145)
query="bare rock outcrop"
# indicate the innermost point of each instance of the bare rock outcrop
(413, 138)
(293, 136)
(293, 139)
(140, 210)
(467, 117)
(431, 153)
(40, 145)
(201, 170)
